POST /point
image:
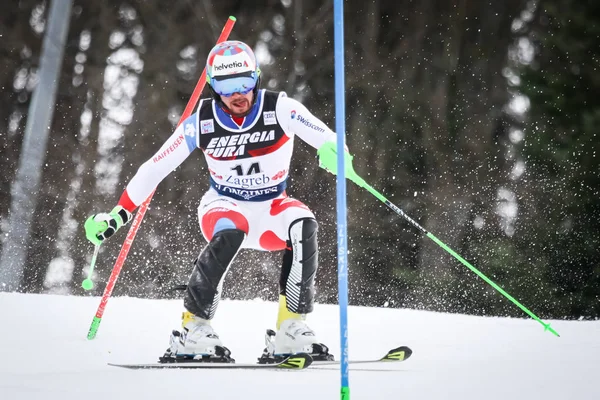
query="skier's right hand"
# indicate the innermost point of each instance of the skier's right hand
(100, 227)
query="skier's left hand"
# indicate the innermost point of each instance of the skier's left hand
(328, 159)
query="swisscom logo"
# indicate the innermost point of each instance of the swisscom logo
(302, 120)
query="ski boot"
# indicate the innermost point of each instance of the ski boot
(197, 342)
(293, 337)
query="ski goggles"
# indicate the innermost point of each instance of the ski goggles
(242, 83)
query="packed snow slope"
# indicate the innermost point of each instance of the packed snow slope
(45, 354)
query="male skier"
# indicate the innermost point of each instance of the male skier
(246, 134)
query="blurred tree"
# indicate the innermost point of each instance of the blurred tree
(558, 196)
(426, 107)
(427, 90)
(67, 162)
(19, 56)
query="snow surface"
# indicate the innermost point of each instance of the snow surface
(45, 354)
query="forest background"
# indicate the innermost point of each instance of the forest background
(478, 119)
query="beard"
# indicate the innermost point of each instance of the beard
(240, 107)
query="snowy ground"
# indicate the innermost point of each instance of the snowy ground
(45, 354)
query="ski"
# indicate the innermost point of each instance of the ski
(398, 354)
(294, 362)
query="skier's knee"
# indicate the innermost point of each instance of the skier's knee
(222, 224)
(206, 281)
(219, 219)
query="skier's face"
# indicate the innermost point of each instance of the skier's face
(238, 103)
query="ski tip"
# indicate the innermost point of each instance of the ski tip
(398, 354)
(296, 361)
(124, 366)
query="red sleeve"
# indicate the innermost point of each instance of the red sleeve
(126, 202)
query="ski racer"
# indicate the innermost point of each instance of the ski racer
(246, 134)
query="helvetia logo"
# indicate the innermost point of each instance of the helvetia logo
(233, 64)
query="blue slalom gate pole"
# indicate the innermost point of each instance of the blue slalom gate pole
(342, 236)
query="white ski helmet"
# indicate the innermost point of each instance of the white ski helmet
(231, 68)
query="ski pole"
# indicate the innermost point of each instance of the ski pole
(88, 283)
(353, 176)
(144, 206)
